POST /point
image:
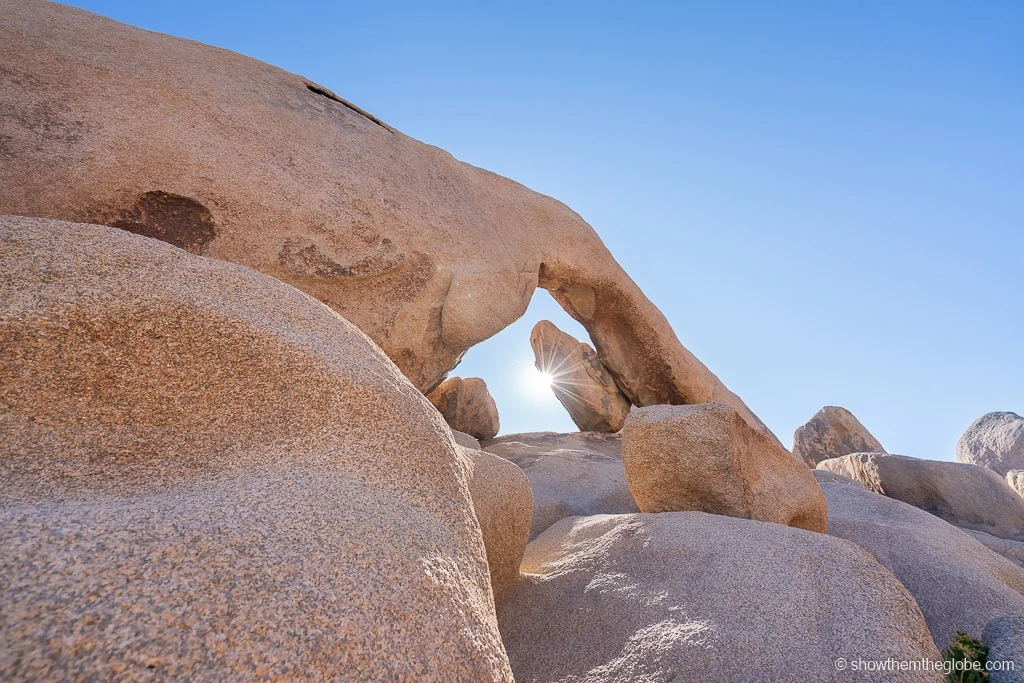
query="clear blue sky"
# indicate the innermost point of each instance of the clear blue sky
(826, 199)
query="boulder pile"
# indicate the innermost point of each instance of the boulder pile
(232, 300)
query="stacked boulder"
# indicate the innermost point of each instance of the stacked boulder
(467, 406)
(578, 379)
(833, 432)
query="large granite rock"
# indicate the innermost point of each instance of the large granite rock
(1004, 637)
(504, 505)
(579, 381)
(995, 441)
(832, 432)
(207, 474)
(959, 584)
(707, 458)
(467, 406)
(570, 474)
(231, 158)
(686, 596)
(968, 496)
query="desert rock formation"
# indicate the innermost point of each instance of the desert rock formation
(571, 474)
(467, 406)
(231, 158)
(994, 440)
(579, 381)
(689, 596)
(201, 478)
(833, 432)
(968, 496)
(706, 458)
(958, 583)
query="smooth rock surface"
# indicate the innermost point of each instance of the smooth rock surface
(687, 596)
(1004, 637)
(579, 381)
(504, 506)
(467, 406)
(706, 458)
(959, 584)
(833, 432)
(570, 474)
(208, 474)
(968, 496)
(232, 158)
(465, 440)
(995, 441)
(1011, 550)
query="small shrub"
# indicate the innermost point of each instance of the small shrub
(961, 655)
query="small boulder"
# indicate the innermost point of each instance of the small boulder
(687, 596)
(1004, 637)
(571, 474)
(959, 584)
(966, 495)
(504, 505)
(995, 441)
(832, 432)
(467, 406)
(579, 380)
(705, 457)
(465, 440)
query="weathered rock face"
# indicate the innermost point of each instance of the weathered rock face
(1015, 478)
(995, 441)
(1005, 639)
(579, 381)
(171, 508)
(570, 474)
(968, 496)
(833, 432)
(687, 596)
(467, 406)
(504, 507)
(959, 584)
(234, 159)
(706, 458)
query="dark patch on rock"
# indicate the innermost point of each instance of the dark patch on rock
(170, 218)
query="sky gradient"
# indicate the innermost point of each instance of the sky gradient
(826, 200)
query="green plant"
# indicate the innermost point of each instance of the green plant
(966, 657)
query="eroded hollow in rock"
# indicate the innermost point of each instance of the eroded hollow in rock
(170, 218)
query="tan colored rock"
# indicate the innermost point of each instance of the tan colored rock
(465, 440)
(570, 474)
(235, 159)
(831, 433)
(504, 507)
(823, 477)
(995, 441)
(579, 381)
(707, 458)
(686, 596)
(467, 406)
(959, 584)
(1015, 478)
(207, 474)
(968, 496)
(1011, 550)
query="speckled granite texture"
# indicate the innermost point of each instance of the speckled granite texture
(206, 474)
